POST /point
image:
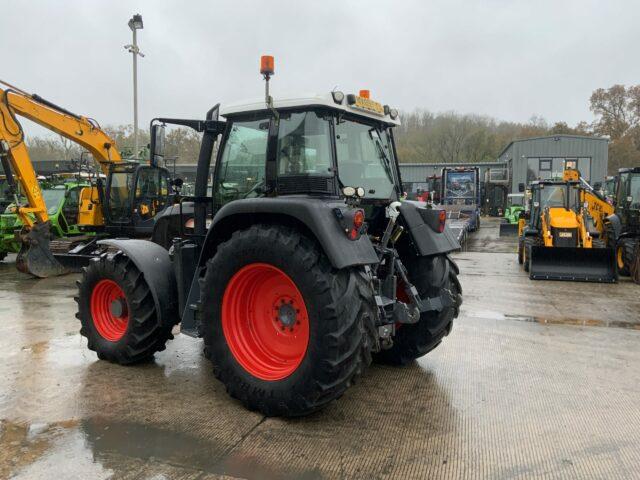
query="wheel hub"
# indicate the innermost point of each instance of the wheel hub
(265, 321)
(109, 310)
(287, 314)
(118, 308)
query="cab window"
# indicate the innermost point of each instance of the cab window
(242, 166)
(304, 144)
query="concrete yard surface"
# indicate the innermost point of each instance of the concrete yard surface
(506, 395)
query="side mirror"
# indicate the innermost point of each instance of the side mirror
(156, 147)
(521, 187)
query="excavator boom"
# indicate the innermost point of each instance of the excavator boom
(35, 256)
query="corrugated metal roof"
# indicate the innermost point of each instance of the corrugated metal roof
(544, 137)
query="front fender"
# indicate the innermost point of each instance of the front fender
(156, 267)
(315, 216)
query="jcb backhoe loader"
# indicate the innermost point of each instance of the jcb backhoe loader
(561, 239)
(622, 222)
(134, 193)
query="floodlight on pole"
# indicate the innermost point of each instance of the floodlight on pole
(135, 24)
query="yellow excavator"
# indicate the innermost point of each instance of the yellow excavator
(125, 206)
(562, 237)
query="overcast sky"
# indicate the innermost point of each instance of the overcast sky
(506, 59)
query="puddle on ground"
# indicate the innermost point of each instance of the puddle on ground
(98, 448)
(491, 315)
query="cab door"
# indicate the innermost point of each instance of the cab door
(150, 198)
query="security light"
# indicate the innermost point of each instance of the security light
(135, 23)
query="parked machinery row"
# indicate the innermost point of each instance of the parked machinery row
(572, 232)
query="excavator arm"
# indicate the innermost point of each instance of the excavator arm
(36, 257)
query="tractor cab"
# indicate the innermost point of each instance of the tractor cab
(628, 199)
(316, 145)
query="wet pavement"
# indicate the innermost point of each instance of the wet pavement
(506, 395)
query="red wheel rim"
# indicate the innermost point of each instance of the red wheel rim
(109, 310)
(265, 321)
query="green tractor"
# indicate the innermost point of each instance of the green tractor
(515, 206)
(63, 207)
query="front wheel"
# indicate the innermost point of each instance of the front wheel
(625, 255)
(117, 311)
(286, 332)
(431, 276)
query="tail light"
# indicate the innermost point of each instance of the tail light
(442, 220)
(358, 219)
(352, 222)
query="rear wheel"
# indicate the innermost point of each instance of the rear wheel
(599, 243)
(117, 312)
(286, 333)
(431, 276)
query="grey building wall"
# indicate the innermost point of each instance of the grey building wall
(522, 155)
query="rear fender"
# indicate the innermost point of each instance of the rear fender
(420, 223)
(315, 217)
(156, 267)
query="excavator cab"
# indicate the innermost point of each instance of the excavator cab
(134, 195)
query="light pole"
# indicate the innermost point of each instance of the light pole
(135, 23)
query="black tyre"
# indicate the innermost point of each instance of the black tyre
(520, 250)
(117, 312)
(431, 276)
(286, 332)
(625, 255)
(599, 243)
(527, 244)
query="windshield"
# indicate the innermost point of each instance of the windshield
(365, 158)
(52, 199)
(556, 196)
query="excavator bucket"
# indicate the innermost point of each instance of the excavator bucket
(573, 264)
(508, 229)
(35, 256)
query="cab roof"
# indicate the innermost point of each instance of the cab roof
(309, 100)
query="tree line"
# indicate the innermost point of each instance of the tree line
(450, 137)
(181, 145)
(427, 137)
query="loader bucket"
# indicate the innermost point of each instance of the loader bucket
(508, 229)
(573, 264)
(35, 256)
